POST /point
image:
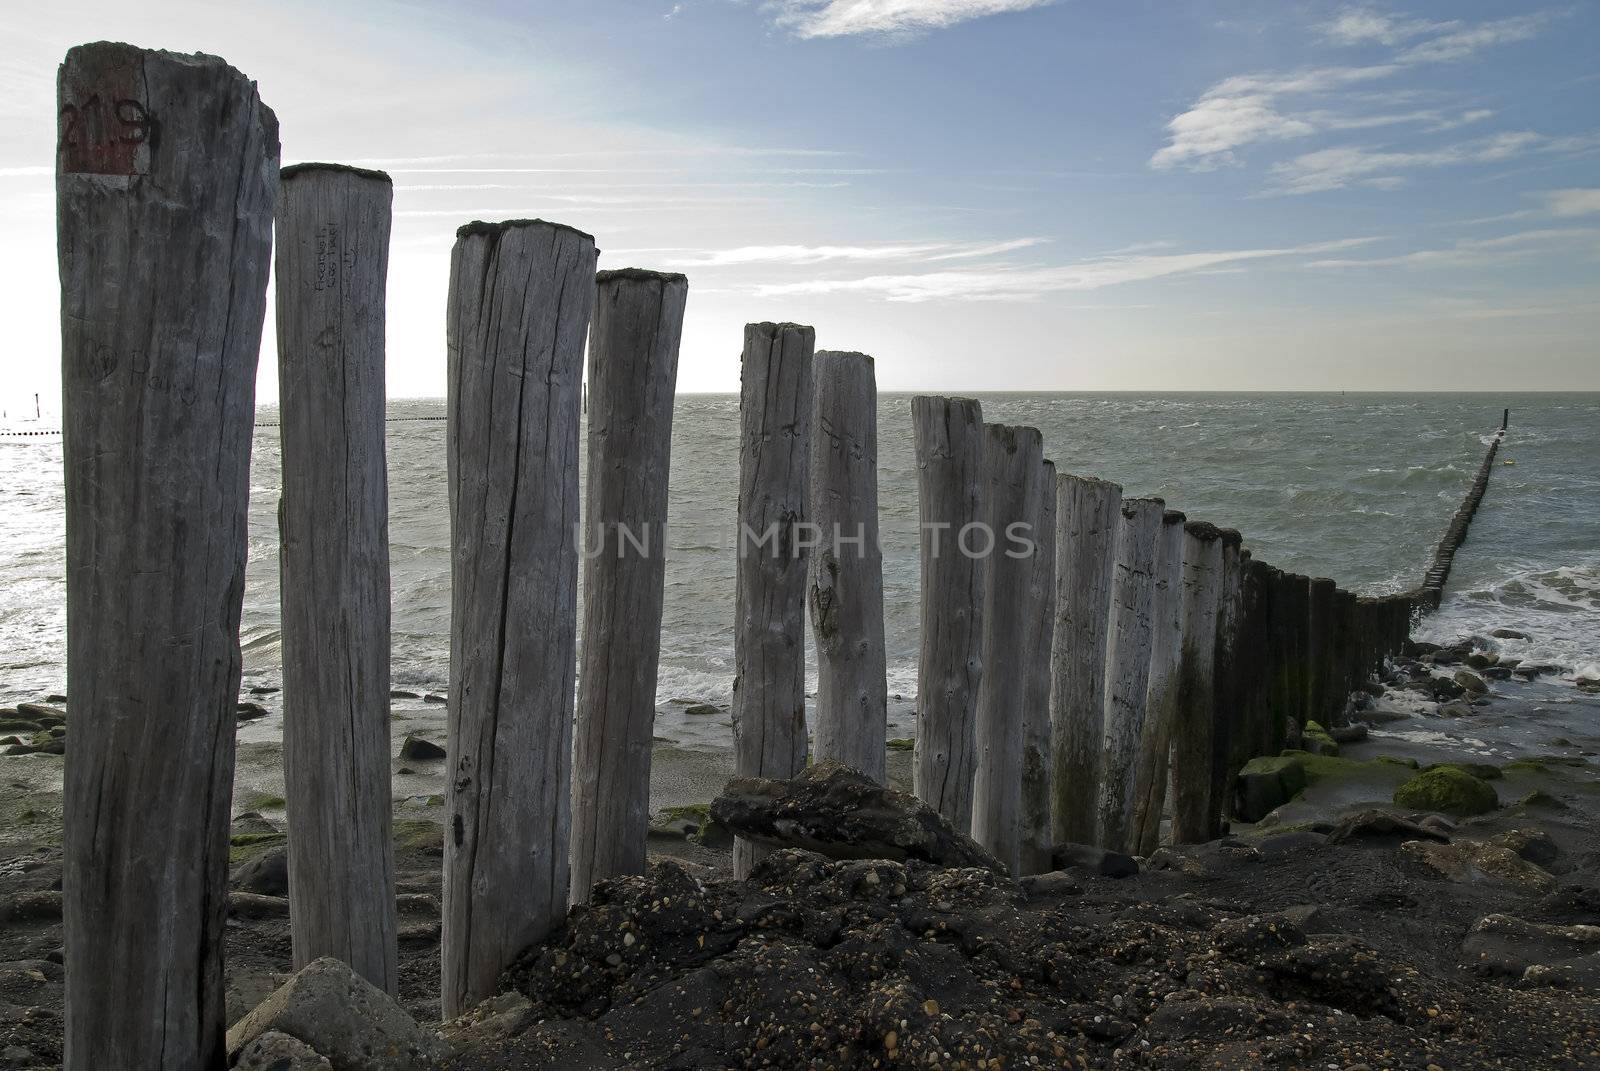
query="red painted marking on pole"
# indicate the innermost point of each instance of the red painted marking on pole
(104, 128)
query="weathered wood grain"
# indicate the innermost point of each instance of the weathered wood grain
(949, 447)
(846, 568)
(769, 687)
(333, 521)
(1013, 464)
(1192, 732)
(164, 246)
(521, 294)
(633, 376)
(1087, 513)
(1161, 704)
(1225, 707)
(1034, 818)
(1128, 666)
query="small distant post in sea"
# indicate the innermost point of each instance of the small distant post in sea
(1194, 730)
(1128, 666)
(1166, 649)
(846, 566)
(1087, 514)
(521, 294)
(1013, 463)
(164, 245)
(769, 685)
(333, 521)
(950, 485)
(633, 373)
(1034, 850)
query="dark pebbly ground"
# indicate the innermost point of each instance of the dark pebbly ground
(1324, 937)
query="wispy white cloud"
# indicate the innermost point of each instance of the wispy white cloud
(1462, 41)
(1479, 252)
(1350, 165)
(820, 254)
(1366, 25)
(1278, 106)
(1573, 202)
(1019, 283)
(843, 18)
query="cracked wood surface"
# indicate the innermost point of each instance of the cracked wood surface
(164, 247)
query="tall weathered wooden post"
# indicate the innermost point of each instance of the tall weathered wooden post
(633, 377)
(333, 519)
(1013, 462)
(769, 685)
(1225, 679)
(1128, 666)
(949, 444)
(1087, 514)
(164, 237)
(1166, 649)
(1033, 851)
(846, 568)
(1320, 651)
(521, 294)
(1193, 730)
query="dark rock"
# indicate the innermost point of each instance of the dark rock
(249, 905)
(702, 709)
(1298, 841)
(1348, 734)
(267, 874)
(1448, 790)
(1214, 1019)
(1265, 784)
(251, 711)
(1534, 845)
(435, 697)
(1508, 634)
(1381, 828)
(1107, 864)
(419, 749)
(343, 1017)
(1456, 708)
(1482, 659)
(42, 713)
(1496, 673)
(1055, 883)
(1502, 944)
(1470, 682)
(401, 693)
(1483, 771)
(843, 814)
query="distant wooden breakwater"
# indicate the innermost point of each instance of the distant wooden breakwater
(1081, 651)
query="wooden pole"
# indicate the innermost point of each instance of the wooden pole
(633, 374)
(521, 294)
(164, 246)
(1320, 653)
(769, 684)
(1036, 841)
(1013, 462)
(1087, 514)
(1128, 666)
(1226, 684)
(1166, 647)
(1192, 732)
(949, 445)
(846, 569)
(333, 519)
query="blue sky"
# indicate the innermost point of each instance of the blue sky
(984, 194)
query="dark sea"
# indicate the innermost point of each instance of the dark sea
(1357, 487)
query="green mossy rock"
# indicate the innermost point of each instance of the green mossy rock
(1317, 740)
(901, 743)
(1483, 771)
(1267, 783)
(18, 725)
(1448, 790)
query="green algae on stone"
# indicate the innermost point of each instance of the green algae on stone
(1483, 771)
(1317, 740)
(1448, 790)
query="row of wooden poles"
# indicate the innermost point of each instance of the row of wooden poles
(1060, 690)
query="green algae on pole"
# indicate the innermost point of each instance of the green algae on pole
(633, 375)
(332, 271)
(521, 294)
(164, 225)
(769, 684)
(950, 496)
